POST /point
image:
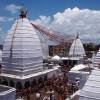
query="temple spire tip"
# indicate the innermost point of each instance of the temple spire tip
(23, 12)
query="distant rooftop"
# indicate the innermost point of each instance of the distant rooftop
(5, 89)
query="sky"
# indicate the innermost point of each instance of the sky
(64, 16)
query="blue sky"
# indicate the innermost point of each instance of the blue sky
(38, 8)
(48, 7)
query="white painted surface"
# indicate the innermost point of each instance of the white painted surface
(8, 94)
(79, 67)
(31, 75)
(77, 48)
(91, 89)
(22, 50)
(56, 57)
(97, 59)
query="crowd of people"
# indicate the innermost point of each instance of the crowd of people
(55, 88)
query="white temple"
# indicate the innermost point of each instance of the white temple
(22, 56)
(97, 59)
(22, 52)
(77, 49)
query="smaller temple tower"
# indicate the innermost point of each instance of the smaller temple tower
(77, 49)
(77, 52)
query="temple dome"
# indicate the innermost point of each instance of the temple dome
(56, 57)
(97, 59)
(77, 48)
(22, 52)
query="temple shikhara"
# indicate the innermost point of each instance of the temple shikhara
(22, 55)
(77, 49)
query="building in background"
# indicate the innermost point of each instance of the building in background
(60, 50)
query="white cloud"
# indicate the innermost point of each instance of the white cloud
(5, 19)
(12, 8)
(2, 19)
(0, 29)
(43, 20)
(71, 21)
(2, 35)
(10, 19)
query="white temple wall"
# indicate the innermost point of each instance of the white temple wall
(22, 51)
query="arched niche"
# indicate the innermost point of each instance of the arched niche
(34, 82)
(45, 78)
(0, 81)
(5, 82)
(18, 85)
(11, 83)
(27, 84)
(40, 80)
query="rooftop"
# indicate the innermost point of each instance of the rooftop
(5, 89)
(91, 90)
(97, 59)
(31, 75)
